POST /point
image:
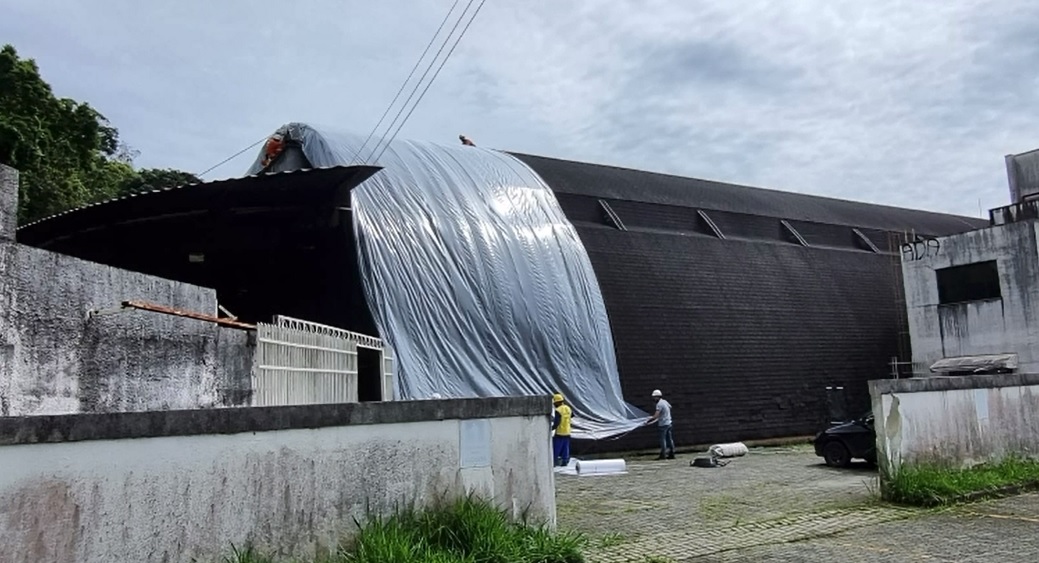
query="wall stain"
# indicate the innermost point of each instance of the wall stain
(42, 523)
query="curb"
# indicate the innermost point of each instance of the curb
(976, 496)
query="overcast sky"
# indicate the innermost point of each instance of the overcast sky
(897, 102)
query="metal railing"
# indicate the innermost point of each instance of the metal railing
(300, 362)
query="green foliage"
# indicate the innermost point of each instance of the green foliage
(148, 179)
(933, 485)
(67, 153)
(468, 530)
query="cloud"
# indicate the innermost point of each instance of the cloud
(910, 104)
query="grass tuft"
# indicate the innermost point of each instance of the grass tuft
(467, 530)
(932, 485)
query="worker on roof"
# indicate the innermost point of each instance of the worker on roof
(466, 141)
(272, 149)
(561, 426)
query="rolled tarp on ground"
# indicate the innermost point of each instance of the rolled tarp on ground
(601, 467)
(476, 278)
(734, 449)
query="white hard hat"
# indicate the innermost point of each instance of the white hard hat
(657, 393)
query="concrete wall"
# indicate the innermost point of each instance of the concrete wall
(54, 359)
(8, 202)
(955, 421)
(996, 326)
(177, 485)
(1023, 175)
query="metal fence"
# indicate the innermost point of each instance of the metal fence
(300, 362)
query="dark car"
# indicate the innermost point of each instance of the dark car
(845, 441)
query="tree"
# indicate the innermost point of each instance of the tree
(149, 179)
(68, 154)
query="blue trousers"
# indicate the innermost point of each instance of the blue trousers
(561, 450)
(667, 441)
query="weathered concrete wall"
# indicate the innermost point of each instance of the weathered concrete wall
(8, 202)
(1023, 175)
(994, 326)
(955, 421)
(286, 479)
(54, 359)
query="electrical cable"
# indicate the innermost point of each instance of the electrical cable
(437, 73)
(419, 83)
(395, 98)
(228, 159)
(372, 156)
(406, 80)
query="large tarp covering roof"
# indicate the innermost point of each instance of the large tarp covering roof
(477, 279)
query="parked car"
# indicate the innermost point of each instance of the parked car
(845, 441)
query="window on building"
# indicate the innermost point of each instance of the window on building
(971, 282)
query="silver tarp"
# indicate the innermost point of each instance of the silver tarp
(477, 279)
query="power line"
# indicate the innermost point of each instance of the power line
(423, 77)
(406, 80)
(228, 159)
(419, 83)
(430, 83)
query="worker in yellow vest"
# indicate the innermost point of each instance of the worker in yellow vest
(561, 426)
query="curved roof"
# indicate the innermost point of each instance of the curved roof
(297, 187)
(610, 182)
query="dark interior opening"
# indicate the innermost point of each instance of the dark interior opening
(280, 244)
(970, 282)
(369, 374)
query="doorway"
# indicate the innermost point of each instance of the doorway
(369, 374)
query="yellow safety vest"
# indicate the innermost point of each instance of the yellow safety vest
(564, 420)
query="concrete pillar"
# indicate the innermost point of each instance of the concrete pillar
(8, 202)
(1015, 192)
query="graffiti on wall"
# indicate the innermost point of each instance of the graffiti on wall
(920, 248)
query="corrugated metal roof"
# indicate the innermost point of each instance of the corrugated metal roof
(304, 185)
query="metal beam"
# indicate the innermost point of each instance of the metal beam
(710, 223)
(156, 308)
(865, 241)
(793, 232)
(612, 215)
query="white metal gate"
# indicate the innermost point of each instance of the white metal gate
(295, 366)
(300, 362)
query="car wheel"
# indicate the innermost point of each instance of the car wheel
(836, 454)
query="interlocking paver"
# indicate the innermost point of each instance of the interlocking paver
(956, 536)
(780, 505)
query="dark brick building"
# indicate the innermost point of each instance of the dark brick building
(742, 304)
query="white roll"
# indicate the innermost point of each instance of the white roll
(601, 467)
(735, 449)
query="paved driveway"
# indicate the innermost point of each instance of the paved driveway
(780, 505)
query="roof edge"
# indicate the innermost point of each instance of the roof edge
(980, 221)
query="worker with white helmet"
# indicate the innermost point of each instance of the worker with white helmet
(662, 417)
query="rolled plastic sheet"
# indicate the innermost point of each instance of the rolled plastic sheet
(735, 449)
(569, 469)
(476, 278)
(601, 467)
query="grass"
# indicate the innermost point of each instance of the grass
(611, 540)
(931, 485)
(467, 530)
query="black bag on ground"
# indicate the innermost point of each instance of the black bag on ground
(707, 462)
